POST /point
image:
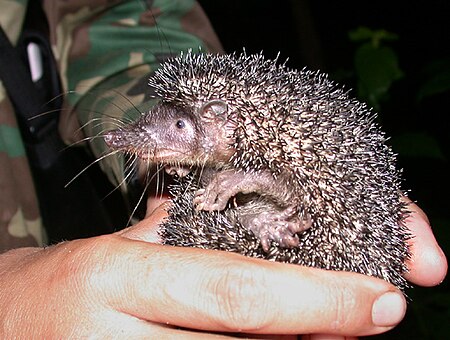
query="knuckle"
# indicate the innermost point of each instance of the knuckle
(82, 262)
(344, 302)
(242, 299)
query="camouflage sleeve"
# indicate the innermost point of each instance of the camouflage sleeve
(105, 51)
(20, 222)
(106, 54)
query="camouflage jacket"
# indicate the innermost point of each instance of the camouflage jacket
(105, 51)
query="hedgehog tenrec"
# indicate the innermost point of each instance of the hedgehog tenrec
(313, 158)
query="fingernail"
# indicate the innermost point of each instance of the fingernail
(389, 309)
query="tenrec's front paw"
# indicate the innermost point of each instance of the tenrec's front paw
(209, 200)
(279, 232)
(199, 199)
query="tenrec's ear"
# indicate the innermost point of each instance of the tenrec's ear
(215, 109)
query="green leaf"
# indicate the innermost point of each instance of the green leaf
(363, 33)
(437, 84)
(360, 34)
(376, 68)
(417, 144)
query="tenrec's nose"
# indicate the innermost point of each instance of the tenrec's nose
(114, 139)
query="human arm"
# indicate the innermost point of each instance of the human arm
(428, 264)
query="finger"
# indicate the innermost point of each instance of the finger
(138, 329)
(147, 229)
(158, 331)
(154, 202)
(109, 323)
(194, 335)
(217, 291)
(428, 264)
(327, 337)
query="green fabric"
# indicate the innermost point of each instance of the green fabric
(120, 91)
(122, 34)
(105, 52)
(11, 141)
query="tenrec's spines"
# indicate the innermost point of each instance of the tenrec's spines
(301, 122)
(221, 230)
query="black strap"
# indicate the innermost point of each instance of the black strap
(31, 99)
(75, 211)
(15, 77)
(30, 104)
(17, 81)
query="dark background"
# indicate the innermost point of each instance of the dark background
(315, 34)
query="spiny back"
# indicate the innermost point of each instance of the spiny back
(299, 122)
(284, 117)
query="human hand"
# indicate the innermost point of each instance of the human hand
(428, 267)
(113, 286)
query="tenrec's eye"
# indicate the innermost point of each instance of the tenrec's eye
(180, 124)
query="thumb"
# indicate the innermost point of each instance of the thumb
(147, 229)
